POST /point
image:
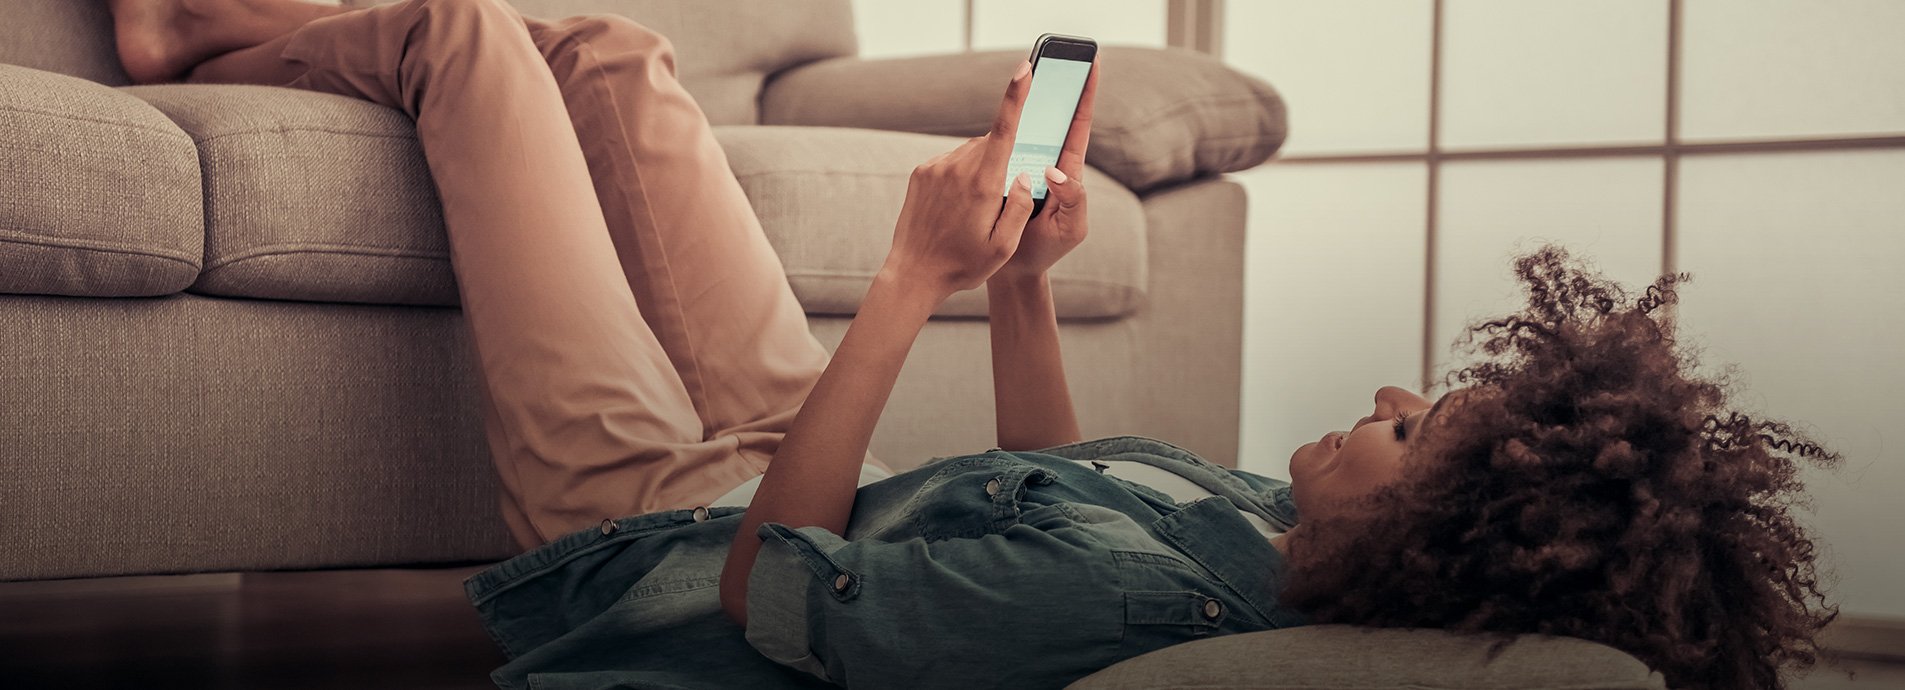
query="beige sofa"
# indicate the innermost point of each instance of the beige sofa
(231, 319)
(228, 327)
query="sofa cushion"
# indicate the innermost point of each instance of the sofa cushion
(724, 49)
(316, 197)
(1162, 116)
(99, 193)
(311, 196)
(828, 198)
(1340, 656)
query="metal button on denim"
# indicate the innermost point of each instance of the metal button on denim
(608, 526)
(992, 487)
(841, 582)
(701, 513)
(1213, 608)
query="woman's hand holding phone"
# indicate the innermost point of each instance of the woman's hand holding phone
(1061, 227)
(953, 233)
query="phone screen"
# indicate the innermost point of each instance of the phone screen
(1056, 86)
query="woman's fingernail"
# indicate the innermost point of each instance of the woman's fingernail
(1025, 68)
(1023, 181)
(1055, 175)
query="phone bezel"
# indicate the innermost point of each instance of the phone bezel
(1061, 47)
(1064, 47)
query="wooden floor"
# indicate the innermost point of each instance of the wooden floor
(337, 629)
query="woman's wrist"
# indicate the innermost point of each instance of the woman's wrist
(1015, 283)
(895, 287)
(1018, 290)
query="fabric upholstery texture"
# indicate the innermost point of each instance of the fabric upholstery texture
(828, 197)
(311, 196)
(1322, 657)
(1162, 116)
(1190, 341)
(71, 37)
(187, 433)
(724, 48)
(99, 193)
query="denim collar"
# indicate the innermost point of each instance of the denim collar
(1212, 532)
(1176, 460)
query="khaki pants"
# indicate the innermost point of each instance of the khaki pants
(640, 348)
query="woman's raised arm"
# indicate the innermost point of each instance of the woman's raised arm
(952, 235)
(1033, 402)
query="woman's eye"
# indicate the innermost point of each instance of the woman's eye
(1400, 435)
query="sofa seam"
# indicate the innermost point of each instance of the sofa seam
(22, 236)
(175, 132)
(301, 128)
(293, 249)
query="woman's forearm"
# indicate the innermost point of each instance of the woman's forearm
(812, 480)
(952, 234)
(1034, 405)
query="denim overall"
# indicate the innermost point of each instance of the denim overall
(1022, 569)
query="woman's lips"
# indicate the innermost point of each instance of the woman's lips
(1317, 455)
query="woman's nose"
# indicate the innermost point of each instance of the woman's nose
(1389, 400)
(1398, 398)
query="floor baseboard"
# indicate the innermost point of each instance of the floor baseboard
(1867, 637)
(137, 584)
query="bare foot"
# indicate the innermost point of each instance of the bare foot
(159, 40)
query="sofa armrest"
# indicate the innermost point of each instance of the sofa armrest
(1163, 115)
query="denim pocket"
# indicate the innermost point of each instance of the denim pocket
(1166, 602)
(1188, 613)
(1007, 491)
(975, 496)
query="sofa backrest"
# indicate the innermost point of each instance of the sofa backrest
(724, 49)
(72, 37)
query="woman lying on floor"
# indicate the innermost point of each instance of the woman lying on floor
(681, 457)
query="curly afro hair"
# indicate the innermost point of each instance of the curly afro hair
(1587, 483)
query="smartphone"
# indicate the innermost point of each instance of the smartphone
(1060, 65)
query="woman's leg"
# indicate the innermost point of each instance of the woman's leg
(703, 272)
(587, 417)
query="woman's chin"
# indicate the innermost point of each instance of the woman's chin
(1302, 461)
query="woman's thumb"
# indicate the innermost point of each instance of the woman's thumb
(1062, 190)
(1017, 210)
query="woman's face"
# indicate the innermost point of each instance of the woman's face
(1328, 474)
